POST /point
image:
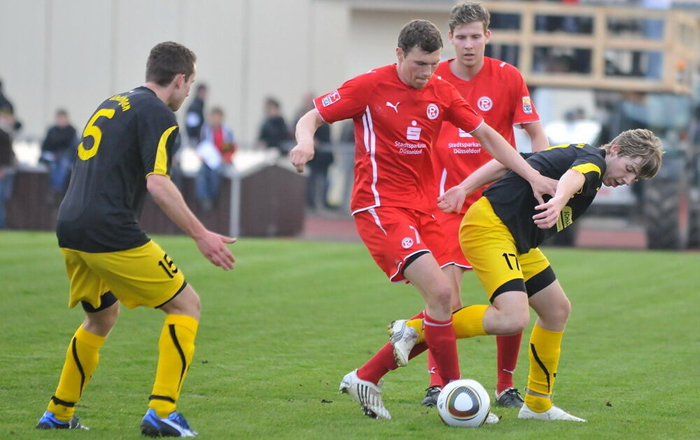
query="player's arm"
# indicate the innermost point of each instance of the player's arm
(170, 200)
(569, 184)
(503, 152)
(538, 138)
(453, 199)
(306, 128)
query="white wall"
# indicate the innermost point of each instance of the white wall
(75, 53)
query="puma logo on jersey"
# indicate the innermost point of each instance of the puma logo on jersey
(394, 106)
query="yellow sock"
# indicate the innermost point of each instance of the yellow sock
(545, 349)
(81, 360)
(467, 322)
(175, 352)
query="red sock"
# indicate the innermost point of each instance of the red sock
(382, 362)
(440, 338)
(433, 373)
(508, 348)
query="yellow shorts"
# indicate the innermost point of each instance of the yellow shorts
(490, 248)
(142, 276)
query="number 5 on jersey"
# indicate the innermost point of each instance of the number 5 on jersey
(92, 130)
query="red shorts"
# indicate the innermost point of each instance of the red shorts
(450, 224)
(392, 235)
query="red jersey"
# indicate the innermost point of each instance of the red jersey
(395, 128)
(499, 93)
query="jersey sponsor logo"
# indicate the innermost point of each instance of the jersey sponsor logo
(527, 105)
(407, 242)
(433, 111)
(464, 134)
(413, 133)
(484, 103)
(394, 106)
(331, 98)
(123, 102)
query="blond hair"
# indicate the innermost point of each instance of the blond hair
(640, 143)
(469, 12)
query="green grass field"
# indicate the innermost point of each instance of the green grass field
(280, 331)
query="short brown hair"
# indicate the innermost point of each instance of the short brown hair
(640, 143)
(167, 60)
(469, 12)
(422, 34)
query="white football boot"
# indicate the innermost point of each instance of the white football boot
(367, 394)
(403, 339)
(552, 414)
(491, 419)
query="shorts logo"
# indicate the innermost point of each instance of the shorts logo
(484, 103)
(433, 111)
(331, 98)
(407, 242)
(527, 105)
(413, 133)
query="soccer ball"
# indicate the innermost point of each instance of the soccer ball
(463, 403)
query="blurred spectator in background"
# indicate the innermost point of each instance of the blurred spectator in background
(194, 118)
(273, 132)
(317, 186)
(7, 160)
(5, 104)
(7, 107)
(216, 148)
(57, 152)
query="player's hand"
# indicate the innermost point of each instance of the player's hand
(213, 247)
(300, 154)
(543, 185)
(452, 200)
(549, 213)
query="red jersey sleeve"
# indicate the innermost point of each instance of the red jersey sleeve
(459, 112)
(524, 110)
(346, 102)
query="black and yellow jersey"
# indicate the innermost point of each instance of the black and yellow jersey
(129, 137)
(514, 203)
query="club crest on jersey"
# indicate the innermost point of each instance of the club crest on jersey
(527, 105)
(407, 242)
(413, 133)
(484, 103)
(433, 111)
(331, 98)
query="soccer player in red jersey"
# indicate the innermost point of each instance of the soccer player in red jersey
(397, 111)
(498, 92)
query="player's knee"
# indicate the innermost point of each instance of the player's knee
(519, 323)
(196, 304)
(443, 296)
(515, 321)
(558, 313)
(564, 310)
(102, 322)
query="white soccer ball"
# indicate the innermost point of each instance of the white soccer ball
(464, 403)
